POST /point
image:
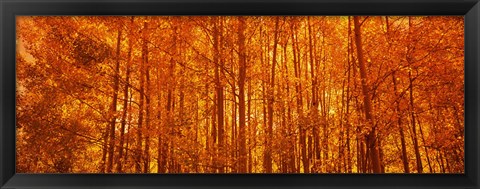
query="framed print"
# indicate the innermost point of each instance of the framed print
(239, 94)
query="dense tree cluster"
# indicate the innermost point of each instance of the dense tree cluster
(240, 94)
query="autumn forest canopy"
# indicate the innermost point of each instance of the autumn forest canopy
(240, 94)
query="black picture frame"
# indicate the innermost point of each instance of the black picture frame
(9, 9)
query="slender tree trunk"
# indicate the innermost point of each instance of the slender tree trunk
(425, 148)
(414, 129)
(371, 137)
(264, 60)
(241, 97)
(251, 129)
(171, 84)
(139, 158)
(406, 167)
(161, 150)
(146, 165)
(298, 89)
(169, 117)
(314, 103)
(162, 121)
(129, 122)
(412, 107)
(360, 153)
(349, 96)
(287, 115)
(234, 140)
(103, 165)
(113, 108)
(271, 96)
(125, 102)
(399, 122)
(214, 134)
(208, 140)
(219, 92)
